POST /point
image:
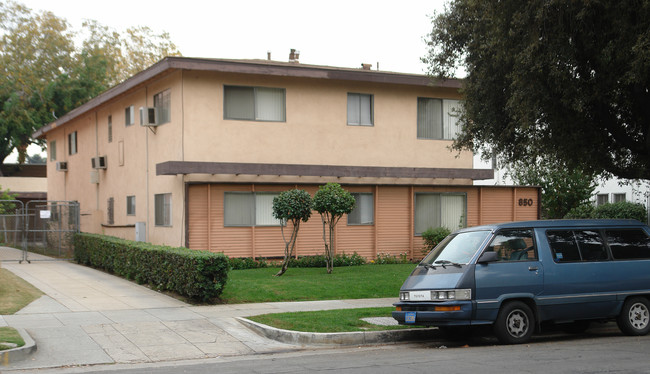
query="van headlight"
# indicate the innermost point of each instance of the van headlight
(436, 295)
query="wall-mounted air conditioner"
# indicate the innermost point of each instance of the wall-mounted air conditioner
(99, 162)
(148, 117)
(62, 166)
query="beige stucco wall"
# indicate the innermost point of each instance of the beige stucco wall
(24, 184)
(315, 132)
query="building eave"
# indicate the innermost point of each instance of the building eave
(192, 167)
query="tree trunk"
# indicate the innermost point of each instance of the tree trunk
(289, 246)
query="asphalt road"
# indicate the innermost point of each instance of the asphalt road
(602, 351)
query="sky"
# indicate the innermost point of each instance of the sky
(333, 32)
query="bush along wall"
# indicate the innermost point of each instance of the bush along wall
(198, 275)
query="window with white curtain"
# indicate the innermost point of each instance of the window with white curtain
(249, 209)
(438, 119)
(364, 210)
(439, 210)
(360, 109)
(254, 103)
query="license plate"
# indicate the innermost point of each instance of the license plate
(409, 317)
(420, 295)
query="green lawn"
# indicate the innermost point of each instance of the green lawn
(15, 293)
(339, 320)
(10, 335)
(301, 284)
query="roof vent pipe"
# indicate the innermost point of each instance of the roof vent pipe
(294, 56)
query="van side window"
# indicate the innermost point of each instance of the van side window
(514, 245)
(628, 244)
(576, 245)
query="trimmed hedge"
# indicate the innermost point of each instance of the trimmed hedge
(620, 210)
(198, 275)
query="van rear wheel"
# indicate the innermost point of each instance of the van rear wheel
(635, 317)
(515, 323)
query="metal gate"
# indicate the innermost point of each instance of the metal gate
(40, 230)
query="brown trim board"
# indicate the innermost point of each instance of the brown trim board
(194, 167)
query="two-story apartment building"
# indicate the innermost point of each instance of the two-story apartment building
(223, 137)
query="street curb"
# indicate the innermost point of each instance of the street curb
(20, 353)
(339, 338)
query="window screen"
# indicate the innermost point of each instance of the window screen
(438, 119)
(162, 104)
(254, 103)
(249, 209)
(439, 210)
(363, 212)
(163, 209)
(360, 109)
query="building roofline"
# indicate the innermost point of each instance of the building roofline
(259, 67)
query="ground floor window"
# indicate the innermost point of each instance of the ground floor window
(163, 208)
(439, 210)
(249, 209)
(364, 210)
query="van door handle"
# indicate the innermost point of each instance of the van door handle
(533, 268)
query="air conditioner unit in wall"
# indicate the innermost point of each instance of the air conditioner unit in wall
(99, 162)
(148, 117)
(62, 166)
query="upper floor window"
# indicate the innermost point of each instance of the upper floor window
(439, 210)
(360, 109)
(52, 150)
(254, 103)
(72, 143)
(162, 101)
(438, 119)
(110, 128)
(129, 115)
(364, 210)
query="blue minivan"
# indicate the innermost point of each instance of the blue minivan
(516, 276)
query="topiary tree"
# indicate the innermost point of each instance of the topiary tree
(331, 201)
(294, 206)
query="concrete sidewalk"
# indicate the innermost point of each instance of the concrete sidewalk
(89, 317)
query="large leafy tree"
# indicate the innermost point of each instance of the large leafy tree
(34, 50)
(567, 79)
(43, 75)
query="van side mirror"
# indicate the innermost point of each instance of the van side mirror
(486, 257)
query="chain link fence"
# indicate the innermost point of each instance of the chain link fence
(38, 228)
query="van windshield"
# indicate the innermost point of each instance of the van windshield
(457, 248)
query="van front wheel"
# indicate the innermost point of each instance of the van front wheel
(635, 317)
(515, 323)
